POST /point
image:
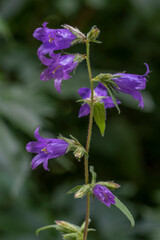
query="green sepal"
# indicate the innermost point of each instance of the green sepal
(89, 229)
(110, 185)
(106, 78)
(94, 175)
(84, 190)
(100, 116)
(79, 57)
(125, 211)
(97, 41)
(81, 38)
(74, 145)
(109, 88)
(74, 189)
(71, 236)
(45, 228)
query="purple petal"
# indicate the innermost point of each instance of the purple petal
(38, 159)
(137, 95)
(84, 110)
(37, 135)
(104, 195)
(42, 51)
(45, 164)
(35, 146)
(101, 90)
(84, 92)
(108, 102)
(148, 71)
(57, 148)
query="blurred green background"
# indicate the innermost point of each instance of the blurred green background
(129, 152)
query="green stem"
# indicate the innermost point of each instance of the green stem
(88, 141)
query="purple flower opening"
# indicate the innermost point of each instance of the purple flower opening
(132, 84)
(58, 69)
(104, 195)
(53, 39)
(99, 91)
(46, 148)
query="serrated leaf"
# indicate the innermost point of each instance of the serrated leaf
(113, 97)
(125, 211)
(75, 189)
(100, 116)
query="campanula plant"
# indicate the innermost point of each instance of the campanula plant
(95, 102)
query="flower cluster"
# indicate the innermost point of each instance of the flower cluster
(95, 102)
(58, 66)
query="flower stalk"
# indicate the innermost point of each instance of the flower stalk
(88, 139)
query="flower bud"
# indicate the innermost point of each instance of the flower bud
(82, 191)
(93, 34)
(66, 227)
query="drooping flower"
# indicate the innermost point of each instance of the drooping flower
(104, 195)
(58, 68)
(53, 39)
(132, 84)
(46, 148)
(100, 94)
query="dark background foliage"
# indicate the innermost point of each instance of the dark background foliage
(129, 152)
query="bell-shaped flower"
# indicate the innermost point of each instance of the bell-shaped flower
(53, 39)
(100, 94)
(132, 84)
(46, 148)
(104, 195)
(58, 68)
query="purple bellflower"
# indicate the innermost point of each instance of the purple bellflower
(46, 148)
(104, 195)
(132, 84)
(53, 39)
(99, 92)
(58, 68)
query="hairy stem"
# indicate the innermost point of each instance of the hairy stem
(88, 141)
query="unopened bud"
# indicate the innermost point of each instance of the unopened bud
(93, 34)
(82, 191)
(79, 152)
(66, 227)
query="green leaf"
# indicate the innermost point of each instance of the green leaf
(100, 116)
(75, 189)
(125, 211)
(112, 96)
